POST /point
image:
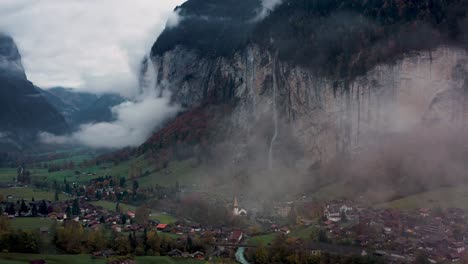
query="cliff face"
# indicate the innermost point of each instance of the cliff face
(23, 110)
(326, 117)
(359, 90)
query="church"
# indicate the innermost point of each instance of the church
(235, 208)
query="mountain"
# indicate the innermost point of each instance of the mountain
(80, 107)
(23, 111)
(370, 95)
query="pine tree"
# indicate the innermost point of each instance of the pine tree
(76, 207)
(34, 210)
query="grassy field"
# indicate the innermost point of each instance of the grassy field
(177, 171)
(443, 197)
(27, 193)
(30, 223)
(13, 258)
(163, 218)
(303, 232)
(263, 239)
(7, 175)
(111, 206)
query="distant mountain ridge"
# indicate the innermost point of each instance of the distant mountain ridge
(82, 107)
(24, 112)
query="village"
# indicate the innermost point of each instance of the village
(339, 227)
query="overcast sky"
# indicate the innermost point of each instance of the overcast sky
(94, 45)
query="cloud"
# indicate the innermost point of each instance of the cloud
(267, 7)
(174, 19)
(135, 122)
(90, 45)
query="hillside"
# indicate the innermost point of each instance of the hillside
(23, 111)
(81, 107)
(313, 88)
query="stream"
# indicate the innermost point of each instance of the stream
(240, 257)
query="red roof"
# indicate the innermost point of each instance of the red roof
(161, 226)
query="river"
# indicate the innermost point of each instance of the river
(240, 257)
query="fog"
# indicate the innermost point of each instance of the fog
(267, 7)
(134, 122)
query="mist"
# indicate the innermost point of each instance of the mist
(267, 7)
(134, 122)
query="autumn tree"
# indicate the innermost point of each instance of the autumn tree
(96, 240)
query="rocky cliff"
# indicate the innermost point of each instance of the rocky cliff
(23, 110)
(287, 113)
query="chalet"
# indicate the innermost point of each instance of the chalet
(117, 228)
(333, 213)
(424, 212)
(458, 247)
(453, 257)
(236, 236)
(198, 255)
(175, 253)
(285, 230)
(162, 227)
(131, 214)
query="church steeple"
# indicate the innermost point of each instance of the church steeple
(235, 206)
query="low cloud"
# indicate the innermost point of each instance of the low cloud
(267, 7)
(174, 19)
(135, 121)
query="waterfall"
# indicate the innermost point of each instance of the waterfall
(250, 69)
(275, 119)
(148, 78)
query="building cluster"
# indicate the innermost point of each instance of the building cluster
(441, 235)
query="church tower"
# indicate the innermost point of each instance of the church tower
(235, 206)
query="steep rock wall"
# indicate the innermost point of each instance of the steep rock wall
(323, 117)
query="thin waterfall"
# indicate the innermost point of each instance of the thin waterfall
(275, 118)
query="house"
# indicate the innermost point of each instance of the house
(453, 257)
(458, 247)
(117, 228)
(131, 214)
(285, 230)
(236, 236)
(424, 212)
(198, 255)
(175, 253)
(161, 227)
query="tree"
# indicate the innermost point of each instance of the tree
(322, 236)
(261, 255)
(96, 241)
(56, 195)
(43, 208)
(4, 224)
(34, 210)
(76, 207)
(24, 209)
(153, 242)
(135, 189)
(69, 238)
(142, 216)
